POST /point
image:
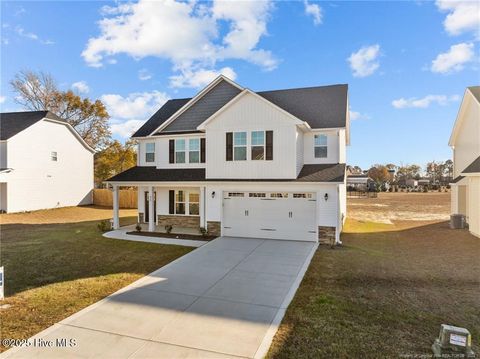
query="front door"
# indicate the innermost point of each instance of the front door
(147, 218)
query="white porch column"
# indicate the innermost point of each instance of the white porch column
(151, 215)
(116, 219)
(202, 205)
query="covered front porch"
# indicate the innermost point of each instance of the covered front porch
(166, 208)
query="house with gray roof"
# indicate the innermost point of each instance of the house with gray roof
(44, 163)
(267, 164)
(465, 143)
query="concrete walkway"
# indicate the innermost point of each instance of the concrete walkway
(122, 234)
(222, 300)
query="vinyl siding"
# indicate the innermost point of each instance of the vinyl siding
(332, 143)
(250, 113)
(474, 205)
(300, 160)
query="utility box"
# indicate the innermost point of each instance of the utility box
(453, 340)
(457, 221)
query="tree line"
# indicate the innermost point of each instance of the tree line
(38, 91)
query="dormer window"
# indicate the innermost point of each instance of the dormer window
(321, 148)
(150, 152)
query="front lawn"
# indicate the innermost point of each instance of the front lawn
(54, 270)
(384, 294)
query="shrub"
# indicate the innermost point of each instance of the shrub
(425, 189)
(138, 227)
(204, 231)
(168, 228)
(104, 225)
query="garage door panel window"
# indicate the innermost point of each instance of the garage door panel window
(302, 195)
(240, 146)
(257, 195)
(236, 194)
(278, 195)
(321, 148)
(258, 145)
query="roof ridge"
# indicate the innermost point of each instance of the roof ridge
(302, 88)
(36, 111)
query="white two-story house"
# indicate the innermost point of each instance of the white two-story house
(44, 163)
(246, 164)
(465, 142)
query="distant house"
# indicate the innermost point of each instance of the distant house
(44, 163)
(360, 182)
(465, 142)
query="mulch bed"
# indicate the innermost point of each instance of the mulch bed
(173, 235)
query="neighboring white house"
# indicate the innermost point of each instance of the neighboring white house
(44, 163)
(465, 142)
(242, 163)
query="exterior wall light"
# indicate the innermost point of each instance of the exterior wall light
(326, 196)
(213, 194)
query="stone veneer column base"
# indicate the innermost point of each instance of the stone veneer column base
(326, 235)
(213, 228)
(140, 217)
(179, 221)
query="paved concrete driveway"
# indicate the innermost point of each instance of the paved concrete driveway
(224, 299)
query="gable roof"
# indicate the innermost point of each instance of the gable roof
(320, 107)
(12, 123)
(471, 93)
(159, 117)
(473, 167)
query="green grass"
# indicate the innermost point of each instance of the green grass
(54, 270)
(384, 294)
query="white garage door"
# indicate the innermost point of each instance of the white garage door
(275, 215)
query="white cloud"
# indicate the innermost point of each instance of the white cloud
(144, 75)
(81, 86)
(354, 115)
(151, 28)
(32, 36)
(454, 59)
(315, 11)
(365, 62)
(125, 129)
(464, 16)
(130, 112)
(134, 106)
(424, 102)
(200, 78)
(2, 99)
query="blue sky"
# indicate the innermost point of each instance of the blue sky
(407, 63)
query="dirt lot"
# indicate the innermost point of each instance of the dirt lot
(64, 215)
(385, 293)
(389, 208)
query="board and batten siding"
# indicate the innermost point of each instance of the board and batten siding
(332, 143)
(474, 205)
(467, 143)
(37, 182)
(250, 113)
(300, 159)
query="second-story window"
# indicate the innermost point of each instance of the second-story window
(240, 146)
(258, 145)
(321, 148)
(194, 150)
(180, 150)
(150, 152)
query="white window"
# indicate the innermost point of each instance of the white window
(179, 202)
(187, 203)
(194, 150)
(193, 203)
(239, 146)
(180, 150)
(150, 152)
(53, 156)
(321, 148)
(258, 145)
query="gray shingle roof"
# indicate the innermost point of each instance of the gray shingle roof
(473, 167)
(12, 123)
(159, 117)
(309, 173)
(320, 107)
(457, 179)
(475, 90)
